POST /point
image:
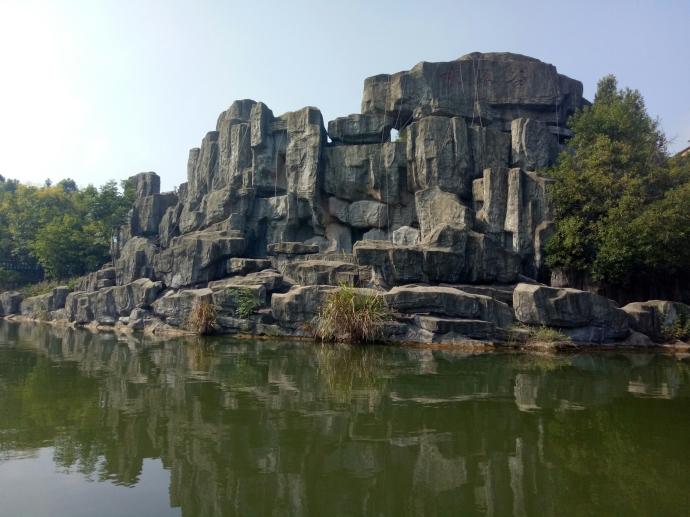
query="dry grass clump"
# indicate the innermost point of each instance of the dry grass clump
(351, 316)
(546, 334)
(203, 318)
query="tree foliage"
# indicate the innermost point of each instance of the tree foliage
(622, 205)
(65, 230)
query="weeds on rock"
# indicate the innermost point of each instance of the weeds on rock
(203, 318)
(351, 316)
(679, 331)
(246, 301)
(546, 334)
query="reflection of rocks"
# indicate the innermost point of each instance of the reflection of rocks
(377, 430)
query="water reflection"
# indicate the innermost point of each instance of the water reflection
(267, 428)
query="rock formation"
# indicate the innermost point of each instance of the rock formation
(287, 208)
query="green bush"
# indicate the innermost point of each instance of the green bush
(679, 331)
(349, 315)
(247, 302)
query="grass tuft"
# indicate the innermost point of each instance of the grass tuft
(351, 316)
(203, 318)
(546, 334)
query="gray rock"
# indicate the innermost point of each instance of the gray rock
(406, 236)
(299, 305)
(446, 301)
(138, 319)
(367, 214)
(146, 184)
(436, 207)
(533, 145)
(325, 272)
(658, 318)
(593, 317)
(197, 258)
(174, 307)
(10, 303)
(360, 129)
(271, 280)
(480, 87)
(363, 172)
(468, 328)
(135, 260)
(242, 266)
(227, 297)
(439, 155)
(375, 235)
(40, 305)
(148, 213)
(292, 248)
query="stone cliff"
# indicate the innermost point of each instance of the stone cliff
(446, 219)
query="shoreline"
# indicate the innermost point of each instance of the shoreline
(161, 332)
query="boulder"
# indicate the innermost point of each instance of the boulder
(436, 207)
(38, 306)
(661, 320)
(10, 303)
(135, 260)
(449, 302)
(584, 316)
(228, 298)
(197, 258)
(405, 236)
(299, 305)
(367, 214)
(174, 307)
(360, 129)
(392, 265)
(533, 144)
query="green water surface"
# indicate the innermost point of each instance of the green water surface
(92, 425)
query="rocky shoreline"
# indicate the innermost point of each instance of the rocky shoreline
(447, 223)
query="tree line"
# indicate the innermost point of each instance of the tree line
(622, 203)
(59, 230)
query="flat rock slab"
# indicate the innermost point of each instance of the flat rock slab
(291, 248)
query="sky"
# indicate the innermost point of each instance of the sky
(98, 89)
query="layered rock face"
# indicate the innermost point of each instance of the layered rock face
(288, 207)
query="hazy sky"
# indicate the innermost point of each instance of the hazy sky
(97, 90)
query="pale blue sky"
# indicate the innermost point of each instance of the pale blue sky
(95, 90)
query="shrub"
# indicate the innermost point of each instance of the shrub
(546, 334)
(246, 301)
(203, 318)
(680, 330)
(349, 315)
(46, 286)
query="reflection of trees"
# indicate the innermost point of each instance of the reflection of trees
(286, 428)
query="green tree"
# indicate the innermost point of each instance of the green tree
(615, 187)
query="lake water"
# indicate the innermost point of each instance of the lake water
(95, 426)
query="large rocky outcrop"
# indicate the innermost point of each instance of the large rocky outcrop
(277, 211)
(582, 315)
